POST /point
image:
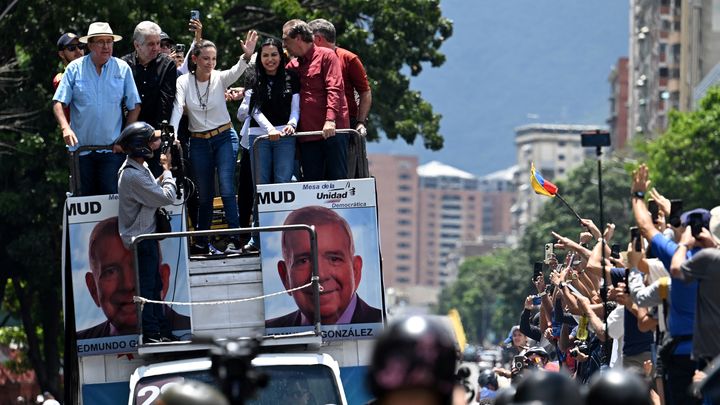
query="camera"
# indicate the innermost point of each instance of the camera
(195, 15)
(177, 165)
(579, 348)
(519, 362)
(615, 251)
(179, 48)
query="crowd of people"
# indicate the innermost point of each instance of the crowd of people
(302, 82)
(642, 301)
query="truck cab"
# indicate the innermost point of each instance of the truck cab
(303, 378)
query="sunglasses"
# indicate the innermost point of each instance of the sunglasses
(72, 48)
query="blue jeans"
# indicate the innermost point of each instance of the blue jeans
(153, 318)
(276, 160)
(206, 155)
(99, 173)
(324, 159)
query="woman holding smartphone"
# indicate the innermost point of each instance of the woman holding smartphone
(271, 106)
(202, 94)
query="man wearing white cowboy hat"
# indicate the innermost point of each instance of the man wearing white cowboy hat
(95, 87)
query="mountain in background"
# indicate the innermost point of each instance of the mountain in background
(517, 62)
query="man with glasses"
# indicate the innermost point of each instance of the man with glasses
(322, 104)
(95, 88)
(69, 49)
(155, 75)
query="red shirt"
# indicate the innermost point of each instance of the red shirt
(354, 78)
(322, 95)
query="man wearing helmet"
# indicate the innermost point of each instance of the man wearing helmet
(487, 384)
(414, 362)
(140, 195)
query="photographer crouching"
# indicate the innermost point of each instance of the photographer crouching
(140, 196)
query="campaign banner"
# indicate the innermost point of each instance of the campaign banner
(104, 278)
(344, 213)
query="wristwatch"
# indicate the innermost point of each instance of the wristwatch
(639, 194)
(562, 284)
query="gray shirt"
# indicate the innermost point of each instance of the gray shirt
(704, 267)
(140, 196)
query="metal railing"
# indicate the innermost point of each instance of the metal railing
(310, 229)
(356, 144)
(74, 179)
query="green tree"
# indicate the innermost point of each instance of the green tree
(394, 39)
(684, 161)
(489, 292)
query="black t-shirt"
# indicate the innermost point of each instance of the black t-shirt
(277, 109)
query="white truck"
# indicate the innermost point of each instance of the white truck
(333, 369)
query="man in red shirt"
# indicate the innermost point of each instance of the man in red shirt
(353, 72)
(357, 93)
(322, 104)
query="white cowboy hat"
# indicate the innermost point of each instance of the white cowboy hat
(99, 29)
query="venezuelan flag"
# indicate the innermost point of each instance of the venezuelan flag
(540, 185)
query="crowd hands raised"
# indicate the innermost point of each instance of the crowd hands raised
(161, 83)
(641, 302)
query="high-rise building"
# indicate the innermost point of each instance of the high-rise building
(654, 64)
(555, 150)
(618, 121)
(449, 212)
(397, 194)
(700, 50)
(428, 212)
(498, 196)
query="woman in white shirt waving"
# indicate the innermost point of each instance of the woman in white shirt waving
(202, 94)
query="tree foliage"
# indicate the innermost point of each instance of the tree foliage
(393, 38)
(684, 161)
(487, 292)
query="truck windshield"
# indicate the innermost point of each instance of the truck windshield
(301, 384)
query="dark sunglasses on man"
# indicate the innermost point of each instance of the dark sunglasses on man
(72, 47)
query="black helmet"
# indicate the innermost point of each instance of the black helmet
(617, 388)
(416, 352)
(487, 377)
(548, 388)
(135, 139)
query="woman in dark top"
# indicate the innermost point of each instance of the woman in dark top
(272, 107)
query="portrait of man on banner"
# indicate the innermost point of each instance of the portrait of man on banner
(104, 283)
(339, 267)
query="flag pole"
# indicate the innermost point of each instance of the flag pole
(568, 205)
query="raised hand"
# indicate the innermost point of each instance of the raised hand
(248, 45)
